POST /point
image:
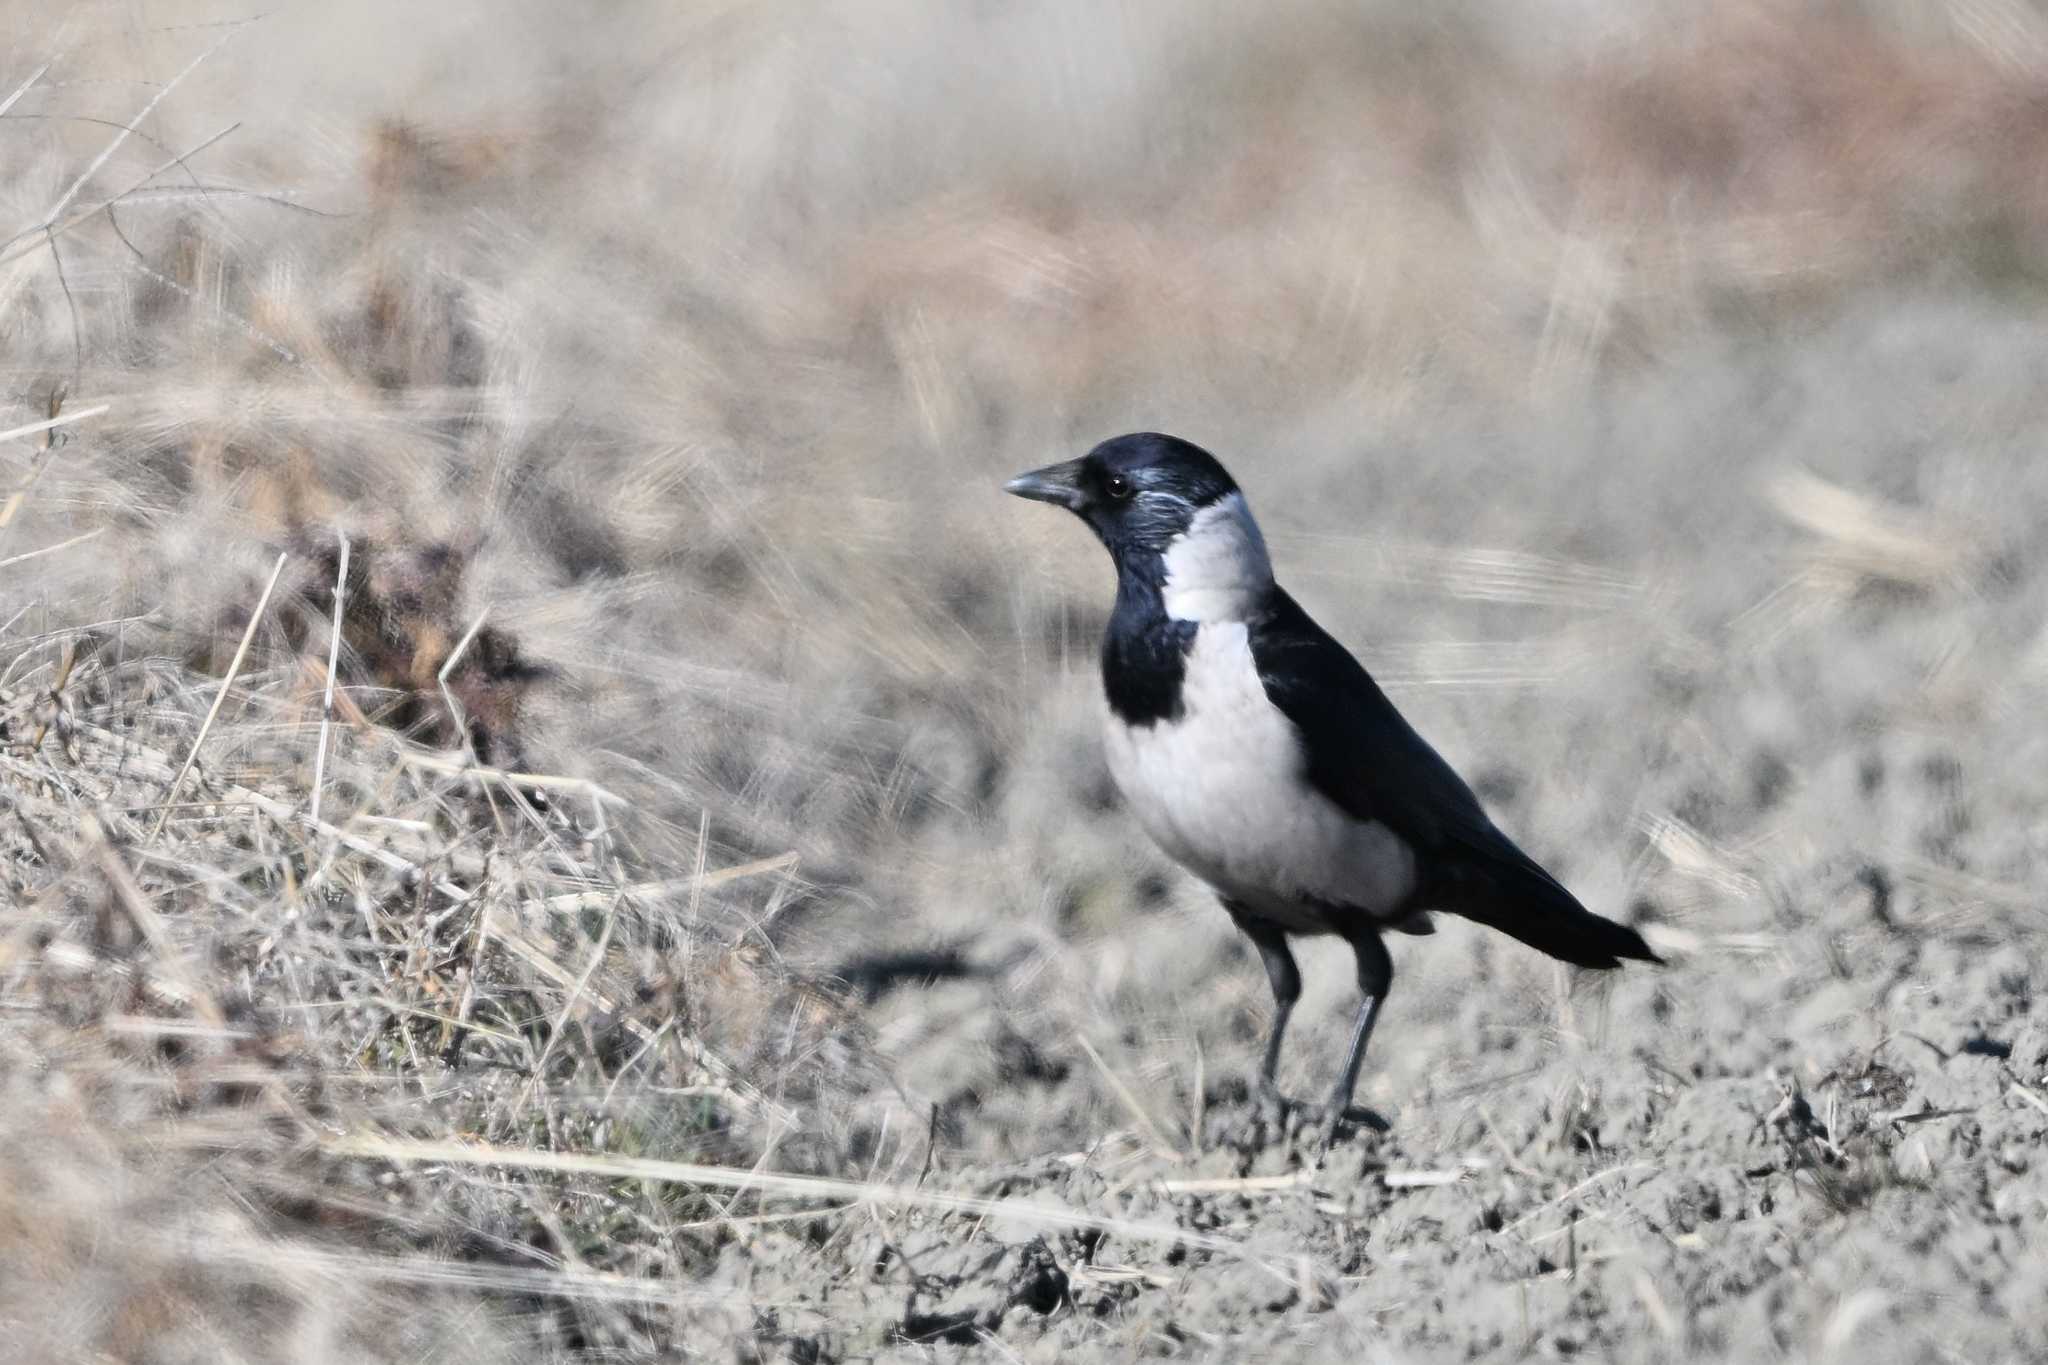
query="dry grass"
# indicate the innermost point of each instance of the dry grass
(636, 880)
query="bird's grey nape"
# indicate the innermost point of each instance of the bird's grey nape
(1218, 568)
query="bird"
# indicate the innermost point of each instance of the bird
(1261, 756)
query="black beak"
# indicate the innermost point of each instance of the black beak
(1059, 484)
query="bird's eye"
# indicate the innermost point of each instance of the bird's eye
(1119, 487)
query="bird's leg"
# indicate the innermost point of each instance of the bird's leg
(1285, 979)
(1375, 977)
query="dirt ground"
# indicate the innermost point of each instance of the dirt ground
(702, 926)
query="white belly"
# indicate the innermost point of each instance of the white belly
(1223, 789)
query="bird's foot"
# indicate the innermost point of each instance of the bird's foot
(1336, 1120)
(1270, 1107)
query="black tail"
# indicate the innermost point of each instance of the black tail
(1505, 889)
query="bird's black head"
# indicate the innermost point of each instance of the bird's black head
(1136, 492)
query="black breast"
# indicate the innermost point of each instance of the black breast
(1144, 655)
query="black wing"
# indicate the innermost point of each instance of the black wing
(1364, 756)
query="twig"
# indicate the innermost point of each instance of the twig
(58, 711)
(777, 1184)
(144, 1026)
(52, 549)
(151, 927)
(931, 1145)
(605, 1105)
(2030, 1095)
(465, 766)
(234, 667)
(543, 962)
(697, 873)
(573, 901)
(53, 421)
(575, 993)
(108, 151)
(1588, 1183)
(447, 667)
(273, 1257)
(327, 702)
(53, 230)
(41, 459)
(1423, 1180)
(1130, 1102)
(1251, 1184)
(25, 86)
(477, 938)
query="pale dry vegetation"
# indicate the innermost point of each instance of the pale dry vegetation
(699, 925)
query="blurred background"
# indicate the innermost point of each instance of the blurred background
(1650, 394)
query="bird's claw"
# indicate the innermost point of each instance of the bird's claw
(1330, 1126)
(1270, 1107)
(1338, 1116)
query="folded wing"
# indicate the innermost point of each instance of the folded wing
(1364, 756)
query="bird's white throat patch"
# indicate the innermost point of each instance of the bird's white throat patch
(1217, 569)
